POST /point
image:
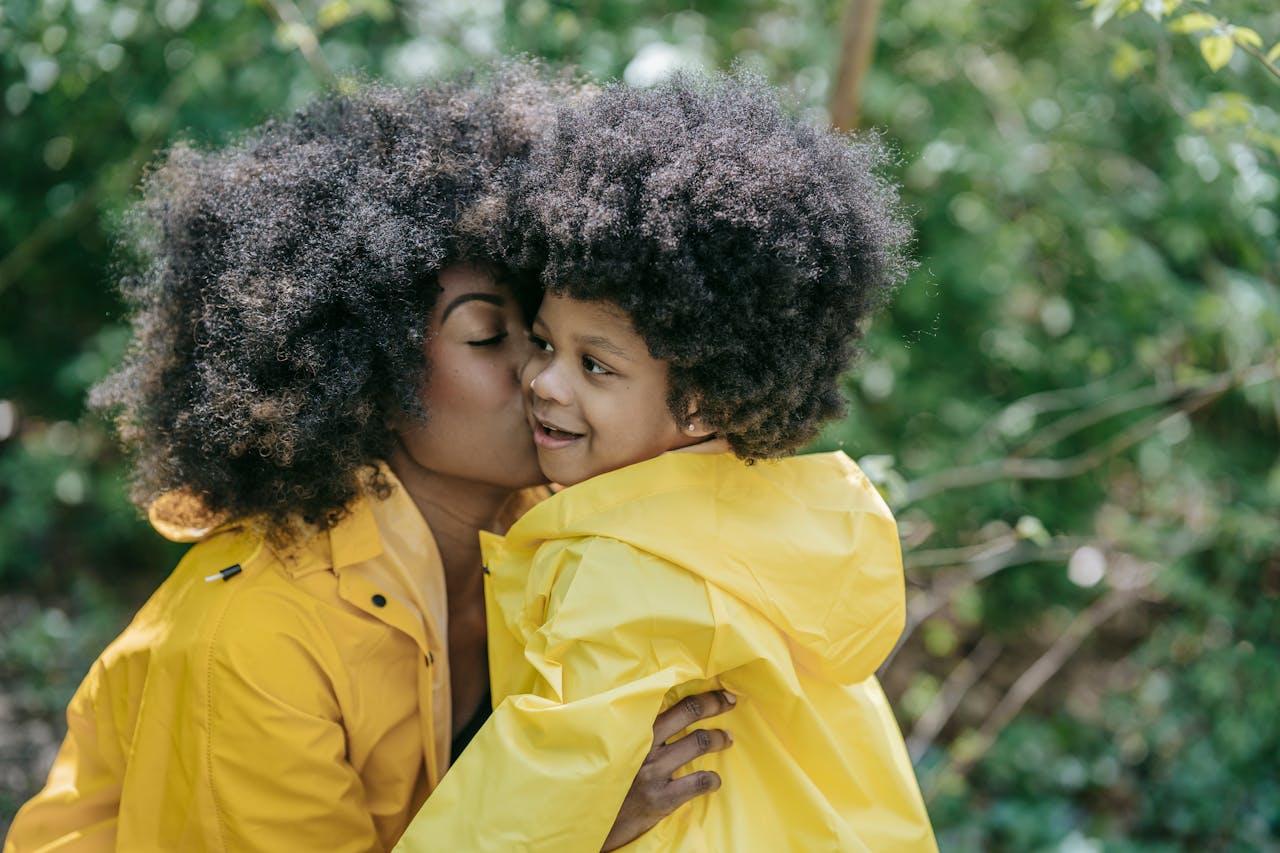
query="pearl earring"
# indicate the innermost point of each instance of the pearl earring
(690, 427)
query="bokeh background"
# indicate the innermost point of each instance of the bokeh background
(1073, 404)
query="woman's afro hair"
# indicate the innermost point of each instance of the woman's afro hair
(746, 246)
(284, 283)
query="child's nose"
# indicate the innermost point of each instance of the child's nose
(547, 384)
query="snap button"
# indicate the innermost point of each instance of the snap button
(484, 569)
(379, 600)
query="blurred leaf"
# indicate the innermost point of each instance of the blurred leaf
(1246, 36)
(1217, 50)
(1126, 61)
(1105, 10)
(334, 13)
(1194, 22)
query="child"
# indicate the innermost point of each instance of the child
(708, 262)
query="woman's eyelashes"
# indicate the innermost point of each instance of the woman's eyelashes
(490, 341)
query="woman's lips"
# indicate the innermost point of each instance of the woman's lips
(551, 438)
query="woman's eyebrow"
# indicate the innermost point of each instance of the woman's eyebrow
(491, 298)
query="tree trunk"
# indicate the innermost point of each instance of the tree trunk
(859, 43)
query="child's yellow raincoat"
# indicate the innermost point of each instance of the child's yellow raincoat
(780, 581)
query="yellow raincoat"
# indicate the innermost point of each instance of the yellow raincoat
(301, 704)
(781, 582)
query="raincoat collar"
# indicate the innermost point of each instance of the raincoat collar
(180, 516)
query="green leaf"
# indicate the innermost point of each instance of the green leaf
(1274, 54)
(290, 35)
(1244, 35)
(1202, 119)
(1126, 60)
(1104, 11)
(1217, 50)
(1195, 22)
(1234, 108)
(334, 13)
(1154, 8)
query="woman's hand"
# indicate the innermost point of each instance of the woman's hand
(654, 794)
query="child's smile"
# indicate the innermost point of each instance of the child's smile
(549, 436)
(596, 398)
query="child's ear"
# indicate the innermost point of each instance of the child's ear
(693, 426)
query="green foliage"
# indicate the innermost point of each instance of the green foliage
(1219, 41)
(1073, 405)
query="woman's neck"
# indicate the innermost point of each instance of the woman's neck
(455, 510)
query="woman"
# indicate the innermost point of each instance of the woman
(323, 396)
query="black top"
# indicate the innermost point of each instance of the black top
(473, 725)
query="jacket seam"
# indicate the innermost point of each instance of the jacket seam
(208, 682)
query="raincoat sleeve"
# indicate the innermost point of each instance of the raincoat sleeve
(252, 757)
(82, 790)
(551, 767)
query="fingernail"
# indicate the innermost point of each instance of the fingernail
(729, 697)
(729, 737)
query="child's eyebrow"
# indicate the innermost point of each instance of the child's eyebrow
(604, 344)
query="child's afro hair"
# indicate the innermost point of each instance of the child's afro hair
(282, 286)
(747, 247)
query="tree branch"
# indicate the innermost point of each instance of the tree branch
(1029, 683)
(1258, 55)
(289, 17)
(981, 562)
(858, 45)
(958, 684)
(1140, 398)
(1192, 398)
(1054, 400)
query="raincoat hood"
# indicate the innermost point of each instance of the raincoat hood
(831, 582)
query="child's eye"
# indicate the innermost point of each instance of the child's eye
(489, 342)
(539, 343)
(590, 365)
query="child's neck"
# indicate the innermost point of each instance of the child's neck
(710, 444)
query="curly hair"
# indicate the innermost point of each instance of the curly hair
(284, 283)
(746, 247)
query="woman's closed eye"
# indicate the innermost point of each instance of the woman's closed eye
(490, 341)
